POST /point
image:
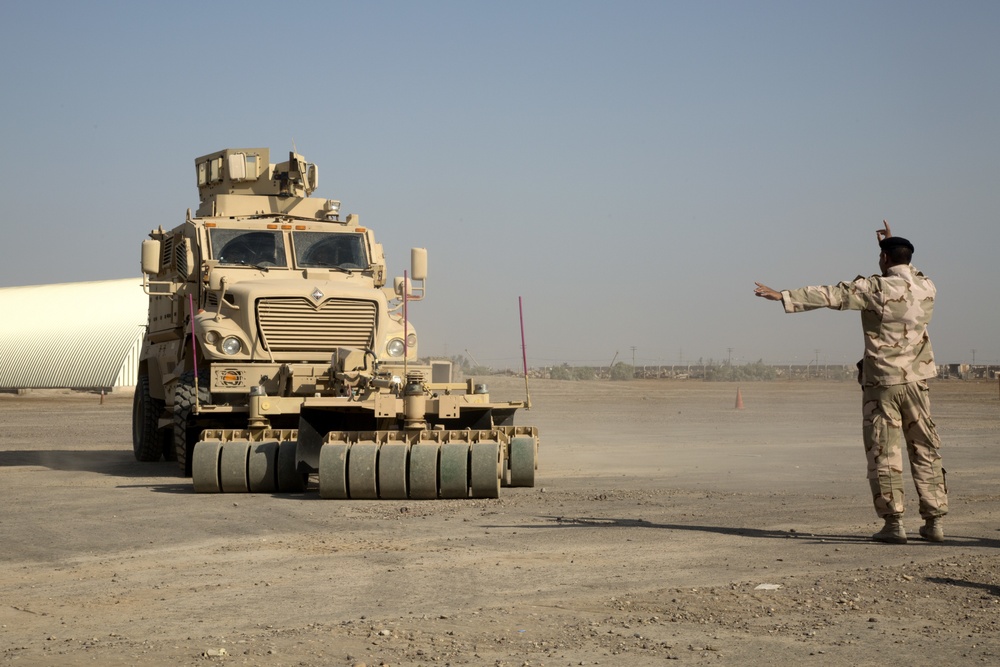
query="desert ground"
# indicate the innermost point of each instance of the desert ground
(665, 525)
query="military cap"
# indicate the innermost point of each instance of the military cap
(891, 242)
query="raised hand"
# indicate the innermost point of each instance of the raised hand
(766, 292)
(883, 233)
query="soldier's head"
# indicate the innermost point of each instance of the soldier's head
(895, 250)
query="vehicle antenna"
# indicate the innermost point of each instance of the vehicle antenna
(406, 319)
(524, 356)
(194, 351)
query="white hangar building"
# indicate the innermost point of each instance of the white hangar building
(74, 335)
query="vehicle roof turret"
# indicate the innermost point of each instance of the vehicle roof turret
(243, 182)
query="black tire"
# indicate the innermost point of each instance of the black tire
(186, 425)
(147, 444)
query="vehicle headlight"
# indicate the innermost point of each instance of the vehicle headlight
(411, 340)
(231, 345)
(395, 347)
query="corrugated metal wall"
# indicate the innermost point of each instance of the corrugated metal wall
(76, 335)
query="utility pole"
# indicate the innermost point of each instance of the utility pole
(729, 358)
(633, 358)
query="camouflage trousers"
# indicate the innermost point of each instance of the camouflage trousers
(893, 415)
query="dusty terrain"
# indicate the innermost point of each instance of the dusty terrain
(659, 511)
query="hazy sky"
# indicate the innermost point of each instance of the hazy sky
(628, 168)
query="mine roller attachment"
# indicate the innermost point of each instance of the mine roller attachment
(453, 470)
(523, 459)
(241, 461)
(424, 470)
(416, 465)
(368, 465)
(485, 469)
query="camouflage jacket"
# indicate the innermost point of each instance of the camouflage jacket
(895, 310)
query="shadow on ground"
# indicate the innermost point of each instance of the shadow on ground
(605, 522)
(116, 462)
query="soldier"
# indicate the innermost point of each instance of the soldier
(895, 310)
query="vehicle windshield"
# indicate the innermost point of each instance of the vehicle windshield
(240, 247)
(325, 250)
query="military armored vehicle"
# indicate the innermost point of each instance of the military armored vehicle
(276, 354)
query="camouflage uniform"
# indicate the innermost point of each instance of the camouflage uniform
(895, 310)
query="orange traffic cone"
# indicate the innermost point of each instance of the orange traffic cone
(739, 399)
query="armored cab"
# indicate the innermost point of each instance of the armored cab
(275, 354)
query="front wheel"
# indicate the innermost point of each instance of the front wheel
(146, 441)
(186, 424)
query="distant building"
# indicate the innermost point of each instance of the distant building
(74, 335)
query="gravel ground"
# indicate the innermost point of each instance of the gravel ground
(665, 525)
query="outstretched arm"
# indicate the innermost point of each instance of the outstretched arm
(766, 292)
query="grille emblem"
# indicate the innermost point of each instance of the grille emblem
(317, 294)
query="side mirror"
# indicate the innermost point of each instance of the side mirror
(397, 286)
(418, 263)
(151, 252)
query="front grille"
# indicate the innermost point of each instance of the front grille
(293, 324)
